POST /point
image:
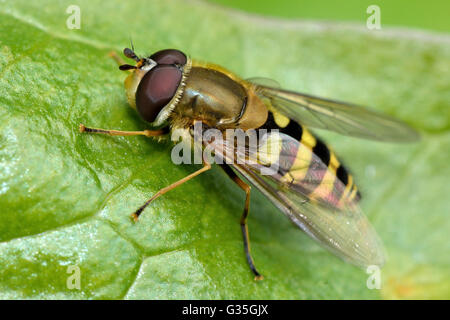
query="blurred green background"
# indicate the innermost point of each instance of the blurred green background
(432, 14)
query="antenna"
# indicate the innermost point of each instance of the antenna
(125, 67)
(131, 43)
(129, 53)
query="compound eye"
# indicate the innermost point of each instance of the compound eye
(156, 89)
(169, 56)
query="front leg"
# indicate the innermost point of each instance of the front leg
(147, 133)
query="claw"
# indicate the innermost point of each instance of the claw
(259, 278)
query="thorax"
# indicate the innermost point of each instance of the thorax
(219, 99)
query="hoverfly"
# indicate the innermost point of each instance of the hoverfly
(310, 185)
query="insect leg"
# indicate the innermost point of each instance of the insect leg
(206, 167)
(116, 58)
(147, 133)
(244, 225)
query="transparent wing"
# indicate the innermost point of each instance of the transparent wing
(347, 233)
(264, 82)
(339, 226)
(341, 117)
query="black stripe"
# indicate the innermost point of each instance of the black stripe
(165, 130)
(313, 177)
(321, 150)
(342, 174)
(293, 129)
(289, 148)
(270, 123)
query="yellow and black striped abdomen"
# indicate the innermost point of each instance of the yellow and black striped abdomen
(310, 166)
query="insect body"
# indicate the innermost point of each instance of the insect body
(306, 181)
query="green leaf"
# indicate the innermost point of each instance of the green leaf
(66, 197)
